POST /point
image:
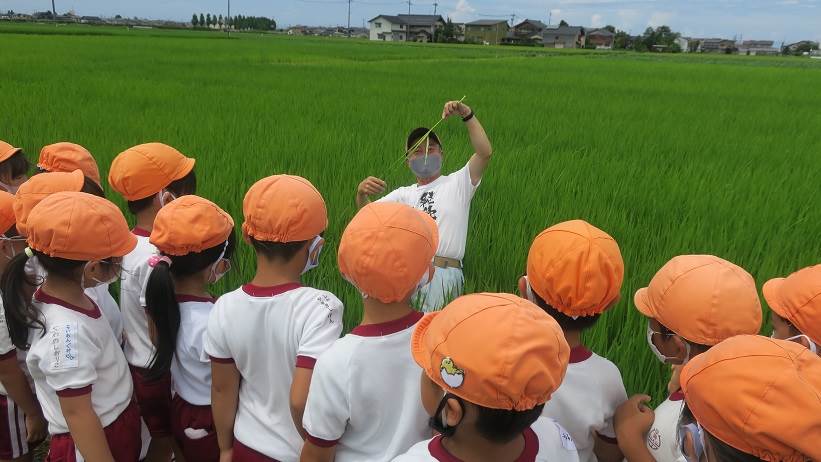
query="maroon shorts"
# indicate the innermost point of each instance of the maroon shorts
(154, 399)
(123, 436)
(243, 453)
(189, 416)
(12, 430)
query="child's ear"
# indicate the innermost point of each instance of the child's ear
(523, 287)
(454, 413)
(681, 349)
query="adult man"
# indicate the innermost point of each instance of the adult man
(446, 198)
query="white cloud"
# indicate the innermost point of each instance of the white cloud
(597, 20)
(462, 12)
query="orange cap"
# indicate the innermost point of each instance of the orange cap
(190, 224)
(146, 169)
(7, 150)
(759, 395)
(7, 219)
(67, 157)
(38, 188)
(386, 250)
(495, 350)
(703, 298)
(797, 298)
(284, 208)
(61, 224)
(576, 268)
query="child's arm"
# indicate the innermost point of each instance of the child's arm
(17, 387)
(314, 453)
(633, 420)
(606, 451)
(299, 396)
(85, 427)
(225, 380)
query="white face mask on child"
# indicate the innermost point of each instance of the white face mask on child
(661, 357)
(214, 277)
(810, 344)
(313, 254)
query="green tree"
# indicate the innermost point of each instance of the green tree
(621, 41)
(202, 20)
(612, 29)
(208, 20)
(220, 21)
(195, 21)
(563, 23)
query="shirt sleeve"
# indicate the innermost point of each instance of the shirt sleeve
(465, 187)
(7, 348)
(322, 328)
(214, 343)
(615, 395)
(69, 366)
(397, 195)
(327, 411)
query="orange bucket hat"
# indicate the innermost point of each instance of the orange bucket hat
(7, 219)
(67, 157)
(576, 268)
(759, 395)
(61, 224)
(495, 350)
(703, 298)
(146, 169)
(797, 298)
(284, 208)
(38, 188)
(387, 249)
(190, 224)
(7, 150)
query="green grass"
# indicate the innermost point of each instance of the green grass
(669, 154)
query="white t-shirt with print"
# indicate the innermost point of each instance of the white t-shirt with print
(191, 368)
(587, 399)
(365, 396)
(138, 346)
(545, 441)
(662, 439)
(77, 355)
(447, 200)
(267, 332)
(7, 348)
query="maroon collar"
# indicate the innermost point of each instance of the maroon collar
(580, 354)
(258, 291)
(43, 297)
(677, 395)
(183, 298)
(140, 232)
(531, 450)
(387, 328)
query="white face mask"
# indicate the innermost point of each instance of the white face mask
(812, 346)
(97, 282)
(313, 254)
(214, 277)
(661, 357)
(162, 197)
(11, 253)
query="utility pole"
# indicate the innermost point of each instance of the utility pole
(349, 18)
(550, 17)
(53, 10)
(409, 6)
(435, 5)
(512, 20)
(228, 19)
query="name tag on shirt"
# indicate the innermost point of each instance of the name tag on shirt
(63, 340)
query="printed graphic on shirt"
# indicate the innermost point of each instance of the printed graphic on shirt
(567, 440)
(654, 439)
(325, 301)
(451, 374)
(63, 339)
(428, 205)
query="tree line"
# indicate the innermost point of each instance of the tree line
(238, 22)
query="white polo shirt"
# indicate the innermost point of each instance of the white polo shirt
(587, 399)
(191, 368)
(447, 200)
(267, 332)
(545, 441)
(103, 299)
(662, 439)
(77, 355)
(138, 346)
(365, 396)
(8, 350)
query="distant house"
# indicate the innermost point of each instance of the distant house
(600, 38)
(714, 45)
(563, 37)
(489, 31)
(405, 27)
(758, 48)
(91, 19)
(805, 45)
(297, 30)
(460, 29)
(527, 32)
(683, 43)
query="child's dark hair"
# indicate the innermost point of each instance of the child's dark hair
(17, 286)
(284, 251)
(91, 187)
(16, 165)
(495, 425)
(566, 322)
(417, 133)
(161, 299)
(182, 187)
(723, 451)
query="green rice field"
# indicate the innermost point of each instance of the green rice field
(669, 154)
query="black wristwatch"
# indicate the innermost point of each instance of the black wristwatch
(469, 116)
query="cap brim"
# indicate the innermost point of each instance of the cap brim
(772, 291)
(185, 168)
(129, 245)
(420, 353)
(642, 302)
(5, 156)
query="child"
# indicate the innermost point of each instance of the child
(196, 240)
(357, 412)
(67, 157)
(753, 399)
(148, 176)
(692, 303)
(498, 358)
(79, 370)
(795, 302)
(574, 273)
(270, 332)
(22, 423)
(14, 167)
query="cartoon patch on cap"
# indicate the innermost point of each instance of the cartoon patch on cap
(451, 374)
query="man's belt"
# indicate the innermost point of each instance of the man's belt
(445, 262)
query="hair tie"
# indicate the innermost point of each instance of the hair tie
(154, 260)
(29, 252)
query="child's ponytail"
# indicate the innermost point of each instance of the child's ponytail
(17, 290)
(164, 311)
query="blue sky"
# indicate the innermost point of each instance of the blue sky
(777, 20)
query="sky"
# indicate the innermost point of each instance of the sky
(778, 20)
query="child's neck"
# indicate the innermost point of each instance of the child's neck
(145, 219)
(272, 273)
(67, 290)
(376, 312)
(193, 285)
(574, 338)
(466, 444)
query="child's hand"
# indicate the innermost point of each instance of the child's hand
(37, 429)
(675, 385)
(633, 420)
